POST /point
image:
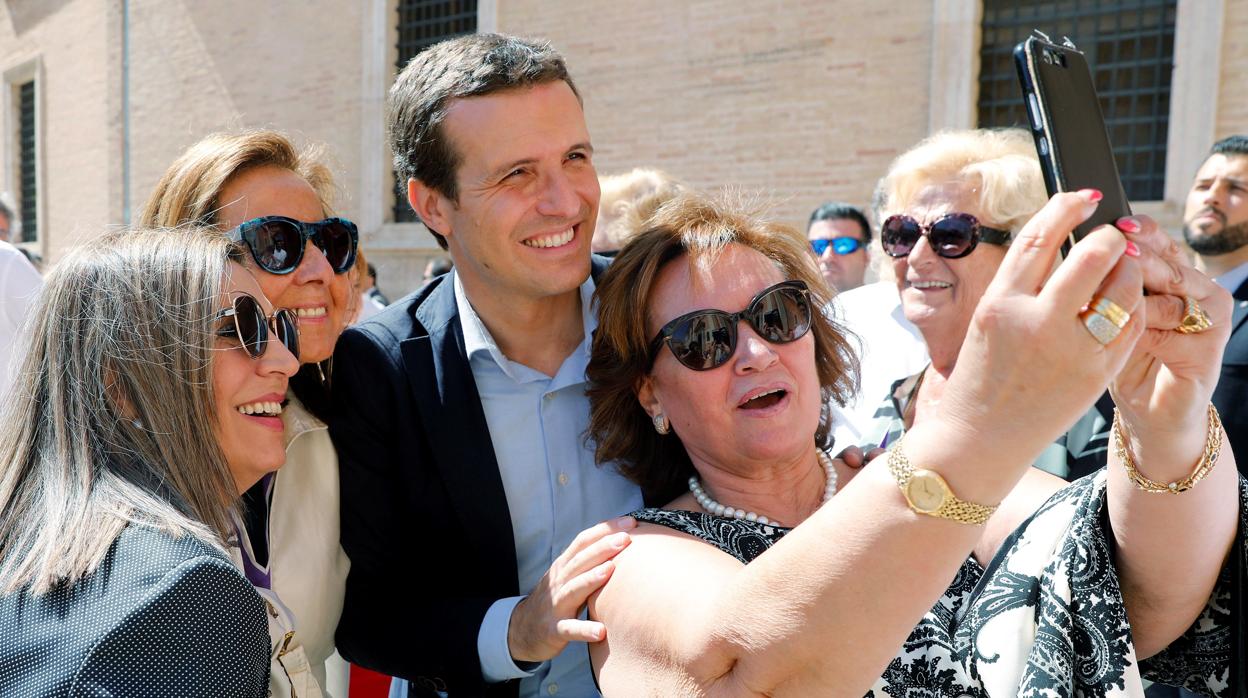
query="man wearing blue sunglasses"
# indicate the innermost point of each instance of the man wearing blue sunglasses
(839, 235)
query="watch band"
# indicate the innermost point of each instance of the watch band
(961, 511)
(951, 508)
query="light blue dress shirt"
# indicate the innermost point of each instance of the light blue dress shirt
(1234, 278)
(538, 425)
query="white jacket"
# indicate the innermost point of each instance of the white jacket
(19, 283)
(307, 565)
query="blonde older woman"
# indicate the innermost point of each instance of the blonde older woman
(276, 200)
(987, 181)
(765, 578)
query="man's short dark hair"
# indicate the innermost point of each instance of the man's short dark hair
(372, 272)
(468, 66)
(1231, 145)
(6, 212)
(839, 211)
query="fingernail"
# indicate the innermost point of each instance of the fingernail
(619, 540)
(1127, 224)
(625, 522)
(1093, 195)
(1132, 249)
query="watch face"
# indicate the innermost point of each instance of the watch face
(926, 491)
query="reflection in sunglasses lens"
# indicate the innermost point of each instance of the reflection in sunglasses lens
(952, 235)
(287, 330)
(336, 238)
(277, 243)
(708, 339)
(843, 246)
(251, 328)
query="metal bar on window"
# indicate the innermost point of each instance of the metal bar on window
(421, 24)
(1130, 49)
(28, 194)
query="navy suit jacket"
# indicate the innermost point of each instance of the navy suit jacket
(1231, 395)
(424, 514)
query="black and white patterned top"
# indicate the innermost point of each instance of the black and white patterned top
(160, 617)
(1046, 618)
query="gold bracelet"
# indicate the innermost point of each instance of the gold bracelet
(1213, 447)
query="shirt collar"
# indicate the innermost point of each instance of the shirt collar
(1234, 278)
(477, 337)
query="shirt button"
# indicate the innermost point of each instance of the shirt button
(548, 396)
(552, 689)
(563, 478)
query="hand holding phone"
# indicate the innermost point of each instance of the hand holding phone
(1069, 129)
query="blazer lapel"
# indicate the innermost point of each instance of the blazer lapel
(1240, 310)
(446, 395)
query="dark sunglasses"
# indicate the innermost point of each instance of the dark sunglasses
(251, 326)
(840, 246)
(705, 339)
(951, 236)
(277, 242)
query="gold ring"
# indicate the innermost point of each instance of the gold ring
(1101, 328)
(1112, 311)
(1194, 319)
(1104, 319)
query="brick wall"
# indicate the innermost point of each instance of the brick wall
(204, 67)
(805, 100)
(80, 187)
(1233, 95)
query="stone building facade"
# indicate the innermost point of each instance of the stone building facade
(802, 100)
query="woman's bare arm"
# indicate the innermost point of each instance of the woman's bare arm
(824, 610)
(1171, 547)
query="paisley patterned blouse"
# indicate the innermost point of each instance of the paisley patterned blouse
(1046, 617)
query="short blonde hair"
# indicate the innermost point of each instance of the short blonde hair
(190, 190)
(627, 200)
(999, 164)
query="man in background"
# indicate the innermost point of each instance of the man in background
(19, 284)
(1215, 225)
(839, 235)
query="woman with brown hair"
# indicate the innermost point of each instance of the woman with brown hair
(256, 187)
(762, 576)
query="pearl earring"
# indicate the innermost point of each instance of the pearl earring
(660, 424)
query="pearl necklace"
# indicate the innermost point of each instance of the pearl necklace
(714, 507)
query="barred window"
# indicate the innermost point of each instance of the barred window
(27, 182)
(1129, 45)
(423, 23)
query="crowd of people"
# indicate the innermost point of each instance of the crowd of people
(709, 460)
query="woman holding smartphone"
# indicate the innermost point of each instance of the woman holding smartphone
(935, 571)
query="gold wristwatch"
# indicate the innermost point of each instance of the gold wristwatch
(927, 492)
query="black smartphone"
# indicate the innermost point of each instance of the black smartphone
(1068, 128)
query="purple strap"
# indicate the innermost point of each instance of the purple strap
(258, 576)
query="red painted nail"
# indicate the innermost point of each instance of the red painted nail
(1092, 195)
(1128, 224)
(1132, 249)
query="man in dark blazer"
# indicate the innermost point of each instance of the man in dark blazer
(1215, 225)
(460, 411)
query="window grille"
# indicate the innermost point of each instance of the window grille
(423, 23)
(28, 191)
(1129, 45)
